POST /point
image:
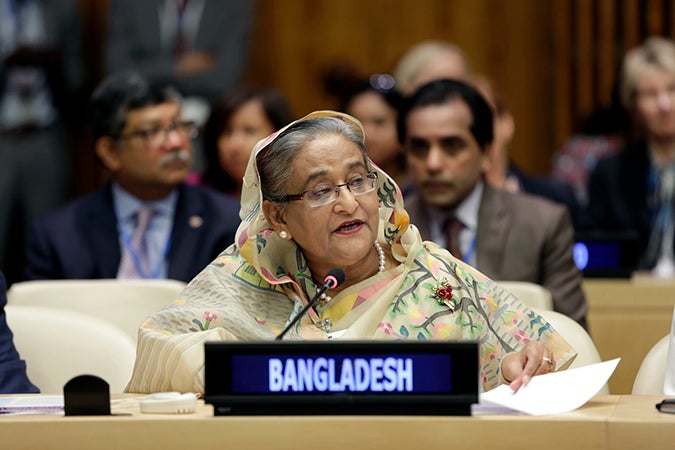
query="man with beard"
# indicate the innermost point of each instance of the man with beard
(145, 223)
(447, 132)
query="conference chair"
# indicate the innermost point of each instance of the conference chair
(531, 294)
(577, 337)
(123, 303)
(650, 376)
(58, 345)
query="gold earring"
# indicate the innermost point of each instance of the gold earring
(283, 234)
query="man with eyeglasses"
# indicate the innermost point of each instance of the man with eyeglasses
(145, 223)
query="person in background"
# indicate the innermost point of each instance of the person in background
(436, 60)
(41, 81)
(237, 122)
(503, 173)
(669, 378)
(13, 378)
(198, 46)
(146, 223)
(603, 133)
(312, 201)
(375, 103)
(427, 61)
(633, 191)
(446, 130)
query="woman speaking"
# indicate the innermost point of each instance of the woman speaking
(311, 202)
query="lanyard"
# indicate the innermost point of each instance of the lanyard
(126, 239)
(466, 257)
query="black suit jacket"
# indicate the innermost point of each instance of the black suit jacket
(80, 240)
(617, 192)
(555, 190)
(13, 379)
(134, 43)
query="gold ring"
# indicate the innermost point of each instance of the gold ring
(548, 360)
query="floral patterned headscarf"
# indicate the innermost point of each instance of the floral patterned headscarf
(256, 286)
(275, 258)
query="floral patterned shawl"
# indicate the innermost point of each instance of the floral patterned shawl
(254, 288)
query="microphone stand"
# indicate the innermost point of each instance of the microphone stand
(304, 310)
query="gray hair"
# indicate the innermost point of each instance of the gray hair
(275, 163)
(656, 52)
(422, 55)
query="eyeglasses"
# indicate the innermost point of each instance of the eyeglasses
(157, 135)
(323, 195)
(382, 82)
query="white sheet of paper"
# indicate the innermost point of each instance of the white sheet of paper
(37, 404)
(485, 407)
(554, 393)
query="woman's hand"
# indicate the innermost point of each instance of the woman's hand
(533, 359)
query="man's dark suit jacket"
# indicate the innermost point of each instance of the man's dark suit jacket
(13, 378)
(555, 190)
(617, 193)
(80, 240)
(522, 238)
(134, 42)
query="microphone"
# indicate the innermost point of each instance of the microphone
(334, 278)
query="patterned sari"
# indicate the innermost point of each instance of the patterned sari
(254, 288)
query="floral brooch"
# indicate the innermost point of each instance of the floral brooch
(443, 294)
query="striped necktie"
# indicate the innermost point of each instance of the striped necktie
(135, 262)
(181, 44)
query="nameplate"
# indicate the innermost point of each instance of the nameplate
(348, 377)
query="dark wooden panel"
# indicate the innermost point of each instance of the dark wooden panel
(296, 40)
(655, 17)
(584, 56)
(562, 81)
(552, 61)
(606, 51)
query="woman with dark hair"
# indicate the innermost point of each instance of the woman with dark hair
(375, 103)
(237, 122)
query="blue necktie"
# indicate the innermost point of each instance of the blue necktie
(135, 262)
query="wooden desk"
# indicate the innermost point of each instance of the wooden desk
(635, 424)
(626, 318)
(606, 422)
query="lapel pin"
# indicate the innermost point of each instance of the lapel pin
(195, 221)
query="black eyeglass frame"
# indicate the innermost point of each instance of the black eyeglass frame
(187, 127)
